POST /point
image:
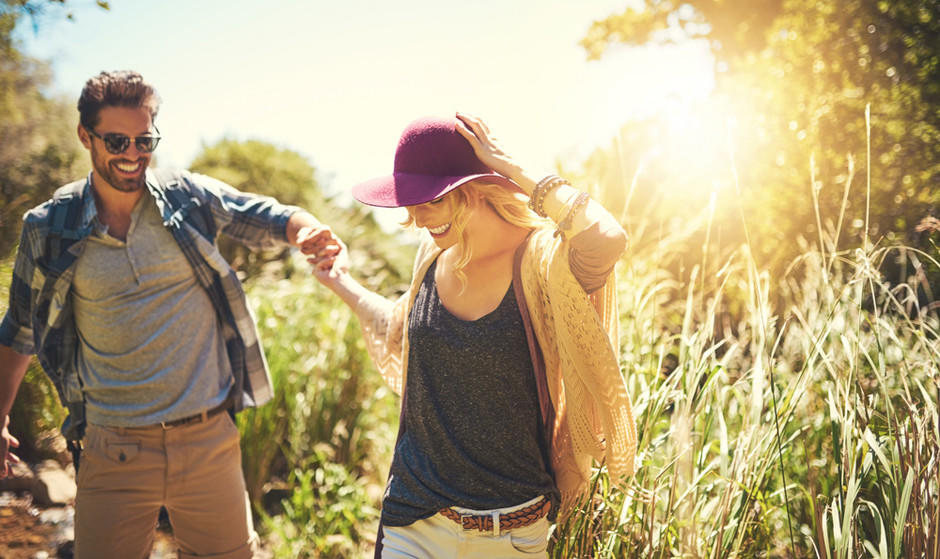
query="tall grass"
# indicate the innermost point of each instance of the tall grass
(315, 458)
(791, 416)
(855, 363)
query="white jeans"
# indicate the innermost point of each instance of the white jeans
(439, 537)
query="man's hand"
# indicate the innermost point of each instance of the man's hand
(321, 246)
(12, 370)
(7, 441)
(329, 259)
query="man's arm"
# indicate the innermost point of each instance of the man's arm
(301, 226)
(12, 370)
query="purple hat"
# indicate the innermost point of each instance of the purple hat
(432, 159)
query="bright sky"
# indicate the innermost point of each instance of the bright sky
(338, 81)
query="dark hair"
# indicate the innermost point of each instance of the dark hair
(124, 88)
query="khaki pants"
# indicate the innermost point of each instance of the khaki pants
(439, 536)
(193, 470)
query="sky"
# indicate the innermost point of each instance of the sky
(338, 81)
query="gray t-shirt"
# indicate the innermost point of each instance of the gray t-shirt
(473, 437)
(150, 347)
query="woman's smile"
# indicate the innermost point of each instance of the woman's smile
(440, 230)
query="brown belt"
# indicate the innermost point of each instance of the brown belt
(507, 521)
(199, 417)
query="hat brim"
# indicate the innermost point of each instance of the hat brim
(410, 189)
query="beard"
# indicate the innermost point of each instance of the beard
(115, 179)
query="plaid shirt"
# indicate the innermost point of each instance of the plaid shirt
(195, 209)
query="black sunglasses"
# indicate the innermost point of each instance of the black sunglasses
(118, 143)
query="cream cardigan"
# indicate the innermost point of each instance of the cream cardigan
(578, 336)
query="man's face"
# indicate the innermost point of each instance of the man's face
(123, 171)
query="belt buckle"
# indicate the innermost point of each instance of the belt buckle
(476, 522)
(167, 425)
(473, 522)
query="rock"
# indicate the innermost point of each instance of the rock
(48, 483)
(56, 485)
(21, 480)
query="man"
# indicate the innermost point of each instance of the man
(119, 289)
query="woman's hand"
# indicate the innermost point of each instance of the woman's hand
(488, 150)
(326, 253)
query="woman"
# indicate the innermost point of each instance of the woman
(504, 348)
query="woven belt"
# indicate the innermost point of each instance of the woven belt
(506, 521)
(199, 417)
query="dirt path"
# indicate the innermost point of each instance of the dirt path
(28, 532)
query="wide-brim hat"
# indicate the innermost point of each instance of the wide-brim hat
(432, 159)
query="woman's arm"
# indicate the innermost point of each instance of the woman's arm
(381, 319)
(596, 238)
(329, 259)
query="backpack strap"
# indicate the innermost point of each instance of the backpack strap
(65, 215)
(180, 195)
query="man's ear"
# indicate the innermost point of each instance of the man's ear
(84, 137)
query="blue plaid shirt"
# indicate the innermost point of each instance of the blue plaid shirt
(195, 209)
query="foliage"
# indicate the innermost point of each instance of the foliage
(39, 9)
(731, 27)
(323, 516)
(331, 423)
(795, 81)
(256, 166)
(40, 149)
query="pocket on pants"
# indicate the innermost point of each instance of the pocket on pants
(531, 539)
(121, 452)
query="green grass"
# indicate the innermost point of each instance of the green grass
(324, 444)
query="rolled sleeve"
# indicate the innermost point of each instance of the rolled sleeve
(594, 253)
(16, 328)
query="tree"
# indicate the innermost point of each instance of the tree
(801, 74)
(40, 149)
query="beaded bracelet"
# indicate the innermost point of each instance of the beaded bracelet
(541, 190)
(573, 207)
(537, 199)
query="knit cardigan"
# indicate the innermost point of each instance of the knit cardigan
(578, 337)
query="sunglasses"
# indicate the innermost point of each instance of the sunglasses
(118, 143)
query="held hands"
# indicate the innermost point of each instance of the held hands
(326, 253)
(487, 148)
(7, 441)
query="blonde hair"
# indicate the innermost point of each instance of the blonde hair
(510, 205)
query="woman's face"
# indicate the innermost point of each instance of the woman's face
(438, 216)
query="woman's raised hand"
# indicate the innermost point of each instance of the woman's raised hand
(486, 146)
